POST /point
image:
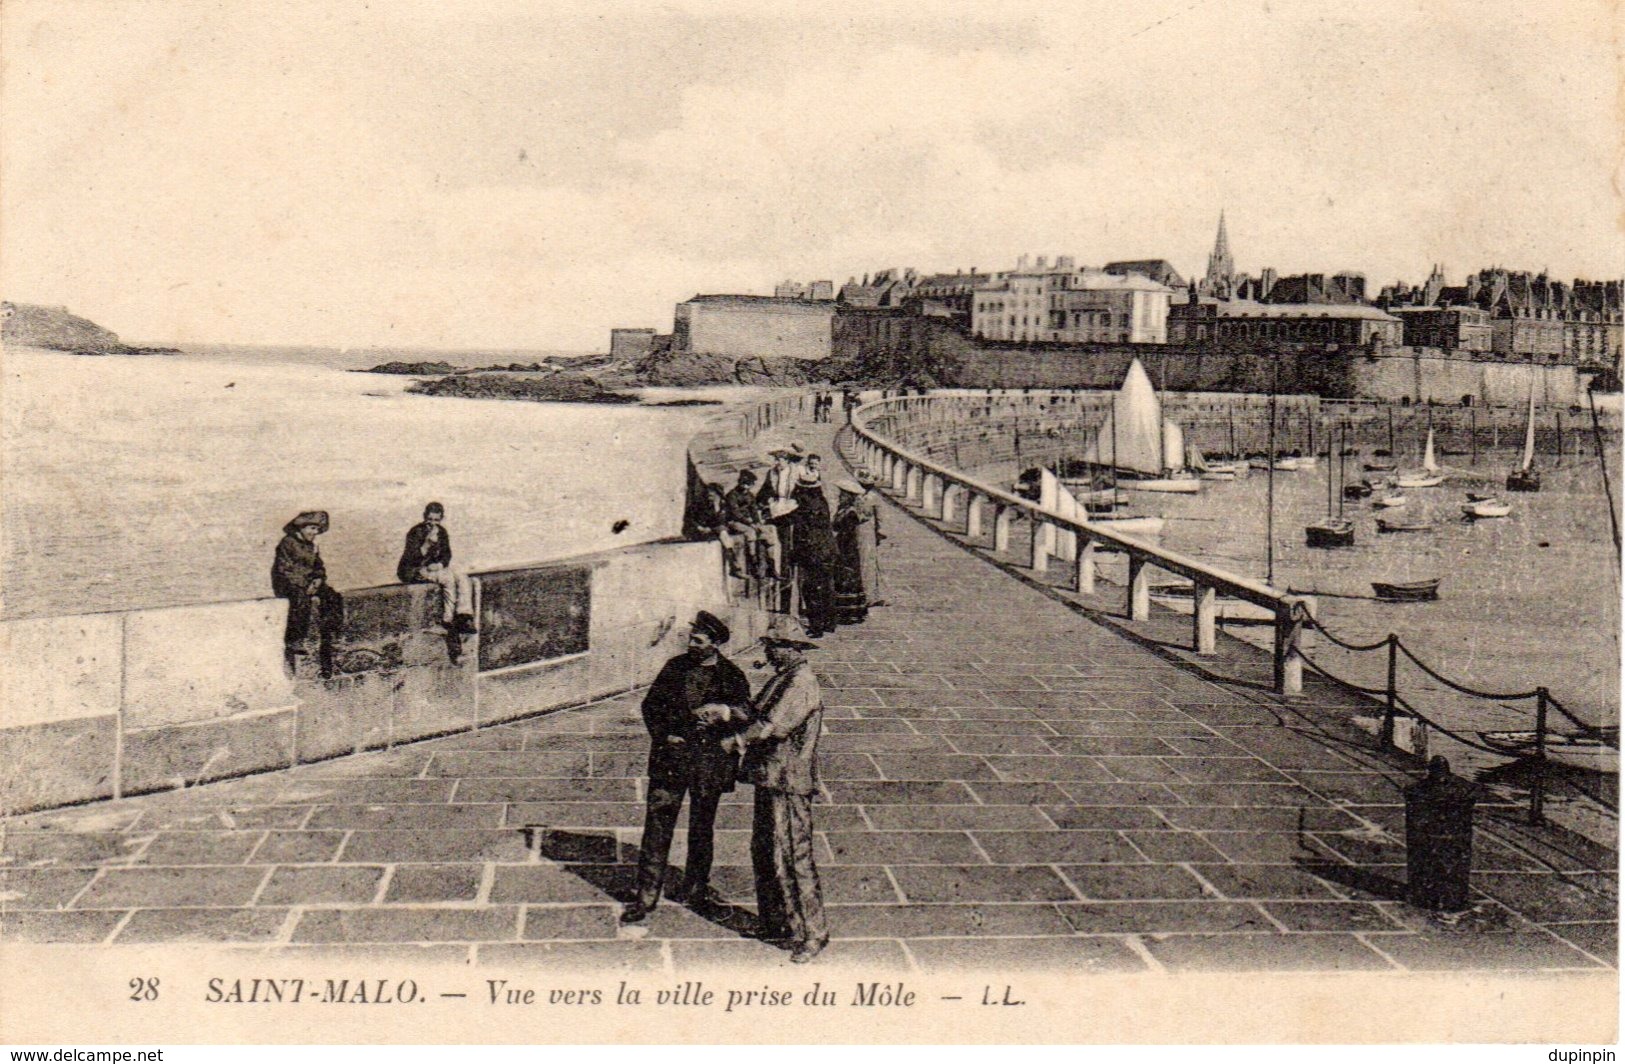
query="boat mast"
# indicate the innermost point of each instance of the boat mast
(1602, 464)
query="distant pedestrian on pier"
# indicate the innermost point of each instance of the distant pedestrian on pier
(698, 701)
(426, 559)
(780, 747)
(299, 575)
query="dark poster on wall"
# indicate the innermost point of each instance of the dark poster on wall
(534, 615)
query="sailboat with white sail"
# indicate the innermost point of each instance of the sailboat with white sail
(1147, 450)
(1526, 477)
(1429, 476)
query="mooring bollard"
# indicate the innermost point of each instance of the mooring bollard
(1439, 839)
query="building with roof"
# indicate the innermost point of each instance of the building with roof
(1159, 270)
(742, 326)
(805, 290)
(1063, 304)
(1533, 318)
(1238, 321)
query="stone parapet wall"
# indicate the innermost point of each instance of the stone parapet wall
(114, 704)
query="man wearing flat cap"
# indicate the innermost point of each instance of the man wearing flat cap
(781, 759)
(299, 576)
(698, 701)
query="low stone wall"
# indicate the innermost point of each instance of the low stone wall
(115, 704)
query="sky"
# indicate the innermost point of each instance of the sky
(523, 175)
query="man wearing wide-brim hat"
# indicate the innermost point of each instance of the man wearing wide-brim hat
(299, 575)
(780, 758)
(697, 701)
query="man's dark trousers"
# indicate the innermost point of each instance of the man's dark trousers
(673, 772)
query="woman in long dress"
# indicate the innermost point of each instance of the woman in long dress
(851, 527)
(867, 507)
(814, 551)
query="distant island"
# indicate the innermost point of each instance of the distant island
(56, 329)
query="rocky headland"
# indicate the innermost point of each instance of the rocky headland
(57, 329)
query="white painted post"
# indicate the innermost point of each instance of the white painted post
(950, 502)
(1002, 516)
(1042, 531)
(1289, 627)
(1204, 617)
(1139, 588)
(914, 478)
(930, 494)
(899, 473)
(973, 516)
(1085, 574)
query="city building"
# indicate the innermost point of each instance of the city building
(805, 290)
(887, 288)
(742, 326)
(1457, 328)
(1201, 320)
(1063, 304)
(1532, 318)
(1158, 270)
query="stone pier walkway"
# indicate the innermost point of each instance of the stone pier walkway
(1008, 784)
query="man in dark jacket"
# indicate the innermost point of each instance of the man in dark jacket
(696, 702)
(747, 519)
(427, 559)
(298, 575)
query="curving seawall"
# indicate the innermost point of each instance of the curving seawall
(112, 704)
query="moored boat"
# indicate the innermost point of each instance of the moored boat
(1410, 591)
(1330, 533)
(1145, 450)
(1392, 500)
(1486, 508)
(1387, 526)
(1526, 477)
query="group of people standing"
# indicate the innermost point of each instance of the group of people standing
(824, 405)
(707, 733)
(779, 527)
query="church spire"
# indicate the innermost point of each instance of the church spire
(1221, 268)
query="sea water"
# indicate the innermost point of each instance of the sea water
(139, 482)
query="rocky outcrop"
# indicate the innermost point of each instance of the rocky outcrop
(56, 329)
(555, 389)
(683, 369)
(415, 369)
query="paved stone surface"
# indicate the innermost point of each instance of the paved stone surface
(1007, 782)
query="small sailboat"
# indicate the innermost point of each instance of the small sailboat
(1146, 448)
(1361, 490)
(1479, 496)
(1411, 591)
(1429, 477)
(1197, 463)
(1386, 526)
(1525, 477)
(1334, 530)
(1485, 508)
(1392, 500)
(1379, 467)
